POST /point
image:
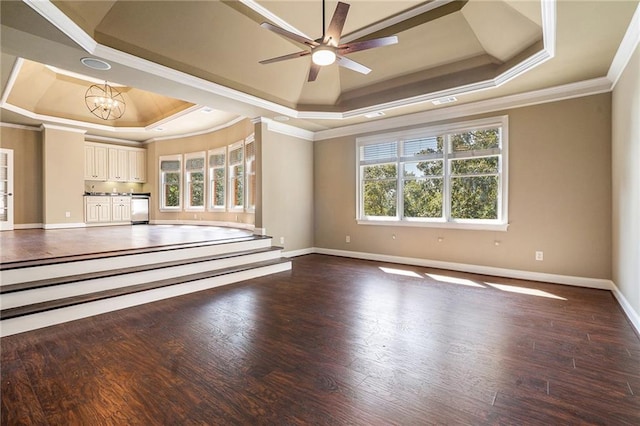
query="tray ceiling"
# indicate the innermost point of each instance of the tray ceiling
(176, 55)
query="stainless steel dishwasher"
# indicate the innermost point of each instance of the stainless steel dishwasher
(140, 208)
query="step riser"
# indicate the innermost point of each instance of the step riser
(58, 316)
(21, 275)
(38, 295)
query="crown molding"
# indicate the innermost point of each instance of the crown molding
(21, 127)
(66, 121)
(175, 116)
(96, 138)
(553, 94)
(198, 133)
(51, 13)
(629, 43)
(15, 70)
(270, 16)
(401, 17)
(285, 129)
(46, 126)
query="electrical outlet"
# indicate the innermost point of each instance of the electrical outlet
(67, 214)
(347, 239)
(539, 256)
(281, 240)
(393, 237)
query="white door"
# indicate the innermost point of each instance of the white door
(6, 189)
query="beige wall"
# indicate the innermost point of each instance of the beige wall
(559, 198)
(27, 165)
(286, 187)
(185, 145)
(626, 182)
(62, 176)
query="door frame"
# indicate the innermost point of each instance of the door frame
(8, 225)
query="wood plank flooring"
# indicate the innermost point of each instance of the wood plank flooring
(30, 244)
(336, 341)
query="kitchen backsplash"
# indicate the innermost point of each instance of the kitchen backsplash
(99, 186)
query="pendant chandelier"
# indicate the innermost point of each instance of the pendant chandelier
(105, 101)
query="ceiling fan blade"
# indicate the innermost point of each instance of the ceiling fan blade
(314, 69)
(357, 46)
(352, 65)
(289, 35)
(334, 32)
(285, 57)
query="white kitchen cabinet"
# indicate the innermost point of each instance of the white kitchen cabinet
(138, 165)
(118, 165)
(97, 209)
(121, 209)
(95, 162)
(114, 163)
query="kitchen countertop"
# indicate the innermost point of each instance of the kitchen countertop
(102, 194)
(115, 194)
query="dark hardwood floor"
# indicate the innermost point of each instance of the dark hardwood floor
(336, 341)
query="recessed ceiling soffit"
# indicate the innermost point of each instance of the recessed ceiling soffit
(46, 91)
(452, 47)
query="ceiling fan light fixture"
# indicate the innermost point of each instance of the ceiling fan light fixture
(323, 55)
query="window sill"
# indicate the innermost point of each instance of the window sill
(447, 225)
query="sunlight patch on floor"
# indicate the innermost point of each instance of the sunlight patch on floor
(454, 280)
(402, 272)
(525, 290)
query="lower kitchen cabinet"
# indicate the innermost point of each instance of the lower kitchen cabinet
(107, 209)
(121, 209)
(97, 209)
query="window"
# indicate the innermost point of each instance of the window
(194, 181)
(236, 176)
(250, 162)
(170, 182)
(217, 178)
(453, 176)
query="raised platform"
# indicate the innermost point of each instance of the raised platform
(129, 268)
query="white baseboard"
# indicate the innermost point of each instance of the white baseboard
(240, 225)
(63, 225)
(27, 226)
(259, 231)
(301, 252)
(633, 316)
(602, 284)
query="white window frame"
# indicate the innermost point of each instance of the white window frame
(249, 173)
(230, 177)
(163, 207)
(187, 180)
(212, 168)
(499, 224)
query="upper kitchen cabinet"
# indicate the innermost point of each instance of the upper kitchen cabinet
(95, 162)
(114, 163)
(118, 165)
(138, 165)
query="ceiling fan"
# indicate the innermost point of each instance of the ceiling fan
(327, 50)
